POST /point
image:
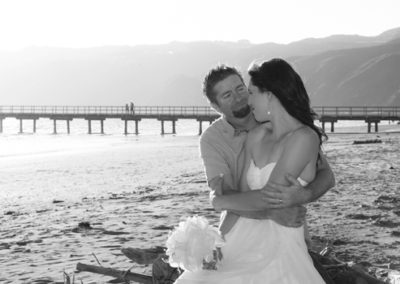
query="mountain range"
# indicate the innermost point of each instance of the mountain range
(340, 70)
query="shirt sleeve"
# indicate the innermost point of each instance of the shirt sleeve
(214, 162)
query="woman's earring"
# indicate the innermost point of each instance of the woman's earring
(268, 112)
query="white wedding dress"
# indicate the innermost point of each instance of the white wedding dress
(260, 251)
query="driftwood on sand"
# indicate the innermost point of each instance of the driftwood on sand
(340, 272)
(143, 256)
(370, 141)
(119, 274)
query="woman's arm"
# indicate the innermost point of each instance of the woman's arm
(281, 195)
(298, 158)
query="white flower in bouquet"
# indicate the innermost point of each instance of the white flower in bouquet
(192, 242)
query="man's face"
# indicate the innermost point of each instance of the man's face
(232, 97)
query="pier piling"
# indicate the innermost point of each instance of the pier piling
(34, 125)
(200, 127)
(54, 126)
(162, 127)
(89, 126)
(136, 126)
(173, 127)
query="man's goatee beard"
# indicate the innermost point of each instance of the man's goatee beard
(243, 112)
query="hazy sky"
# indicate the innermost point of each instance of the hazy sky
(86, 23)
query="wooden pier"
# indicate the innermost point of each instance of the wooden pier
(371, 115)
(101, 113)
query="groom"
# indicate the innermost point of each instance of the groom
(222, 151)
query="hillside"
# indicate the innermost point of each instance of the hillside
(338, 70)
(367, 76)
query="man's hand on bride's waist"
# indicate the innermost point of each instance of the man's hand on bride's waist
(289, 217)
(281, 196)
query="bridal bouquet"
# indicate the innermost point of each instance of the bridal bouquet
(194, 243)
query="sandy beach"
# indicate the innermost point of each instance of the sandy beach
(133, 190)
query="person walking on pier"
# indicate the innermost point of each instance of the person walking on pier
(132, 108)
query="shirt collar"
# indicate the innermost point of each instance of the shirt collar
(231, 130)
(240, 131)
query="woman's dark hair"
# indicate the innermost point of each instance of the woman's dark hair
(278, 77)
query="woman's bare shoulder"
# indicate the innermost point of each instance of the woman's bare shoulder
(303, 135)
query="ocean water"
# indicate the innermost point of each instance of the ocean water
(14, 144)
(44, 141)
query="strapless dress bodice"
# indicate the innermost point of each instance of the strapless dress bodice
(258, 177)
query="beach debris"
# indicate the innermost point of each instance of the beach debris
(57, 201)
(119, 274)
(46, 280)
(163, 227)
(42, 210)
(97, 260)
(67, 278)
(21, 243)
(82, 227)
(198, 181)
(116, 196)
(343, 272)
(369, 141)
(388, 202)
(361, 216)
(114, 233)
(4, 246)
(162, 273)
(388, 199)
(143, 256)
(85, 226)
(395, 234)
(338, 242)
(387, 223)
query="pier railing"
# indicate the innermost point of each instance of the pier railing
(340, 112)
(110, 110)
(358, 112)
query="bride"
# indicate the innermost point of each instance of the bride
(286, 142)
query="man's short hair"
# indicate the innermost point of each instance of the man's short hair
(216, 75)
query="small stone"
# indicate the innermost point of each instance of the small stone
(395, 234)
